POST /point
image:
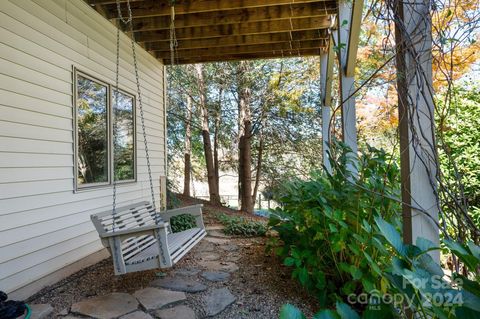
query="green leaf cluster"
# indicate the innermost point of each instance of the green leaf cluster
(326, 224)
(182, 222)
(422, 283)
(242, 226)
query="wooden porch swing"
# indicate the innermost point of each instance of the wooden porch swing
(138, 236)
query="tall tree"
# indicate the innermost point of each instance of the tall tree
(244, 141)
(188, 147)
(207, 143)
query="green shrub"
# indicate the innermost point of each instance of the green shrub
(326, 225)
(241, 226)
(415, 281)
(182, 222)
(414, 275)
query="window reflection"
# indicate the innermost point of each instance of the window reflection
(92, 132)
(124, 154)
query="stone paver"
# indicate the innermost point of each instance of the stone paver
(219, 266)
(179, 284)
(233, 258)
(137, 315)
(229, 247)
(39, 311)
(217, 301)
(153, 298)
(215, 275)
(179, 312)
(187, 272)
(214, 227)
(206, 255)
(106, 307)
(205, 246)
(218, 241)
(217, 233)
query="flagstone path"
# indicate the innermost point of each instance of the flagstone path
(221, 278)
(166, 297)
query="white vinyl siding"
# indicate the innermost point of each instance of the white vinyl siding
(44, 224)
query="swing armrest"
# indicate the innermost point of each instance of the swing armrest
(195, 210)
(139, 231)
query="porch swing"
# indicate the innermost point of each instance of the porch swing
(138, 236)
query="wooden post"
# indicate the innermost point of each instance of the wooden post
(349, 20)
(163, 179)
(416, 114)
(326, 70)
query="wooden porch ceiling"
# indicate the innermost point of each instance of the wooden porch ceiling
(226, 30)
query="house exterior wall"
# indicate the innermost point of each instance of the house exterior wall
(44, 224)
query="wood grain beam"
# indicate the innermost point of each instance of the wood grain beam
(354, 37)
(247, 49)
(248, 56)
(237, 29)
(162, 7)
(259, 39)
(236, 16)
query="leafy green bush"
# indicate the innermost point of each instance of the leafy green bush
(415, 282)
(182, 222)
(241, 226)
(420, 281)
(325, 225)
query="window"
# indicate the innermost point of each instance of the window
(124, 151)
(99, 151)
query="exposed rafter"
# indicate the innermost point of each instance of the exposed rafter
(251, 56)
(272, 13)
(237, 29)
(222, 51)
(149, 8)
(240, 40)
(225, 30)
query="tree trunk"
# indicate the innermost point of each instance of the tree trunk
(188, 148)
(258, 170)
(207, 144)
(215, 139)
(245, 149)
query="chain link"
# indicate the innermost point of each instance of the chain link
(140, 101)
(142, 118)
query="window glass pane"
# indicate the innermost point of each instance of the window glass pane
(92, 153)
(124, 151)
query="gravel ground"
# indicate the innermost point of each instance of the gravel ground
(261, 285)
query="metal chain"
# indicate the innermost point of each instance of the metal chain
(140, 104)
(142, 117)
(173, 36)
(120, 16)
(139, 93)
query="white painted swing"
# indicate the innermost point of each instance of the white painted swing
(138, 236)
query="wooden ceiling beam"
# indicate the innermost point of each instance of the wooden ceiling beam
(237, 29)
(162, 7)
(237, 16)
(108, 2)
(258, 39)
(272, 48)
(248, 56)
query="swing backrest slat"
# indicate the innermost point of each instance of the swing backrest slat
(128, 217)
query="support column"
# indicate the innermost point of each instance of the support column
(326, 70)
(416, 114)
(349, 20)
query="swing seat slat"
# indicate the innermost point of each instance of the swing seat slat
(141, 239)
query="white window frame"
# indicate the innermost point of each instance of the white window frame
(110, 91)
